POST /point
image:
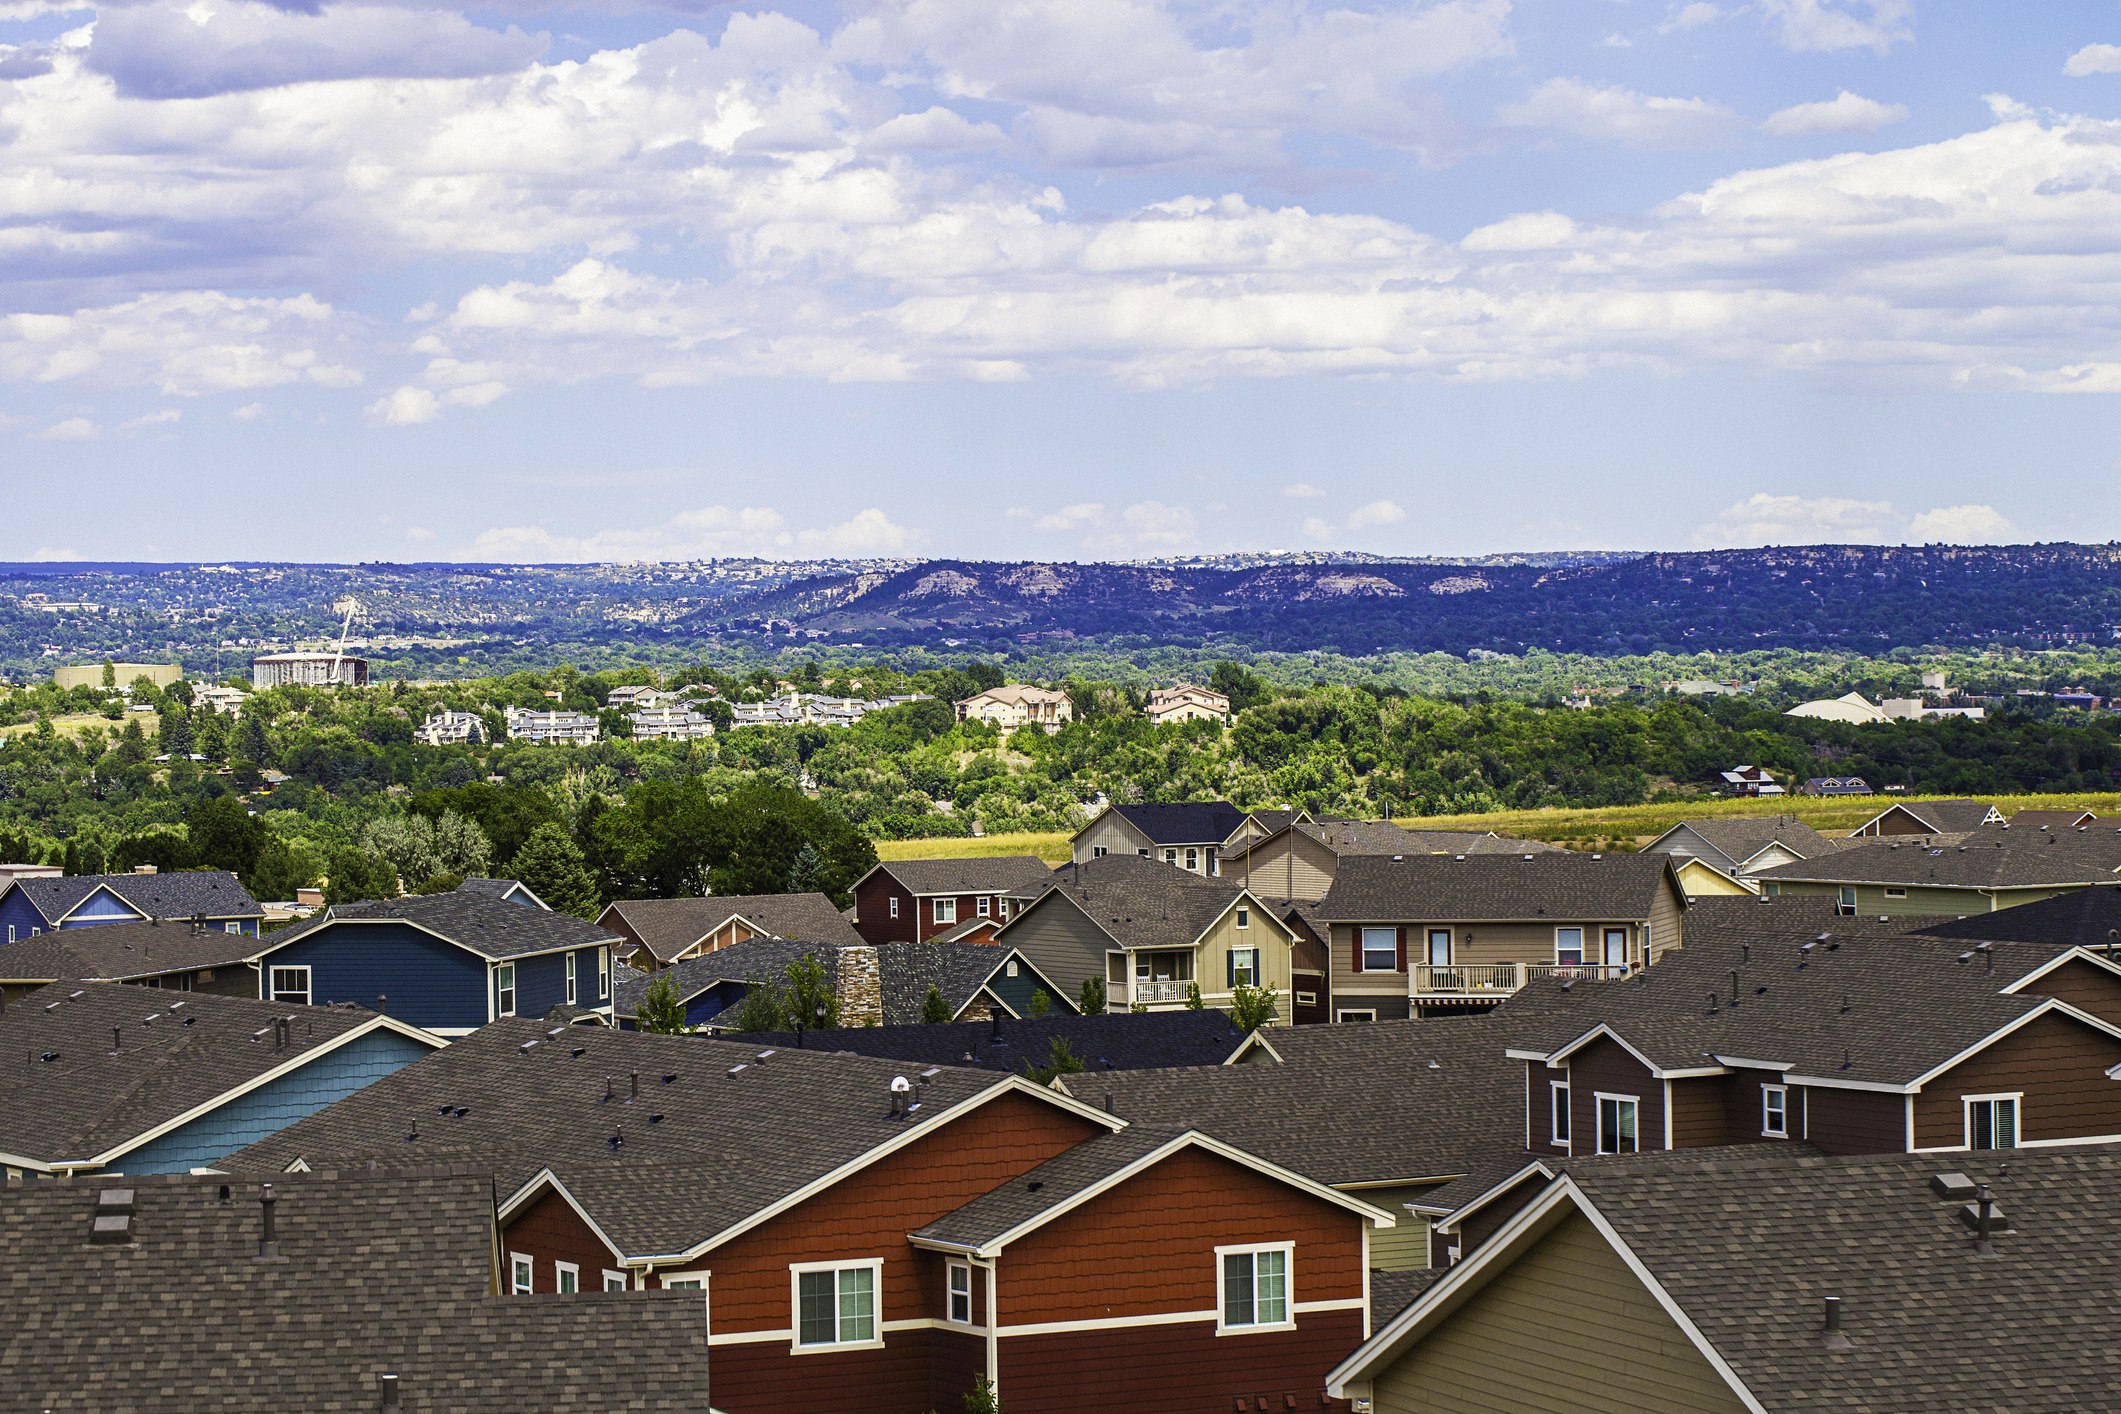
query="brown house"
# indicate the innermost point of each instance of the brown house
(667, 930)
(913, 900)
(1930, 817)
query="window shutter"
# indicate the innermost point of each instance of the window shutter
(1230, 970)
(1358, 947)
(1402, 950)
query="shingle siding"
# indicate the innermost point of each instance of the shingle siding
(430, 983)
(1061, 943)
(273, 1106)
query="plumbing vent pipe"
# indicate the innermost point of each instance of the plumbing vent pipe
(390, 1393)
(268, 1245)
(1832, 1338)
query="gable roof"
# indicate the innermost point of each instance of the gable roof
(1141, 903)
(1352, 837)
(2053, 819)
(514, 890)
(1739, 838)
(1207, 822)
(121, 951)
(213, 892)
(91, 1103)
(761, 957)
(668, 926)
(477, 922)
(386, 1272)
(1110, 1042)
(991, 874)
(1940, 815)
(1989, 859)
(1560, 886)
(959, 970)
(2084, 918)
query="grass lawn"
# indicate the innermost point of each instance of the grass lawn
(76, 722)
(1640, 824)
(1053, 848)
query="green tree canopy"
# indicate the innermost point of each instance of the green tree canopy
(551, 865)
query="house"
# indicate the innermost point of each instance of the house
(116, 1079)
(1186, 703)
(214, 698)
(1851, 707)
(1108, 1041)
(451, 729)
(1299, 860)
(2054, 819)
(1715, 856)
(861, 1237)
(1977, 872)
(659, 931)
(1821, 786)
(1816, 1283)
(1752, 781)
(33, 905)
(1154, 934)
(2082, 918)
(669, 724)
(449, 963)
(912, 900)
(1258, 824)
(309, 669)
(1929, 817)
(570, 728)
(189, 1290)
(1434, 934)
(169, 957)
(633, 697)
(1189, 836)
(1017, 705)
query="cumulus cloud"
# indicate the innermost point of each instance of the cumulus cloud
(1765, 519)
(249, 412)
(153, 419)
(49, 556)
(1962, 525)
(2094, 59)
(697, 534)
(1687, 17)
(1317, 529)
(1624, 117)
(185, 344)
(1848, 113)
(419, 533)
(1145, 525)
(1830, 25)
(73, 429)
(1302, 489)
(1375, 514)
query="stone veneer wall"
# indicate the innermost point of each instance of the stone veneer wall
(861, 994)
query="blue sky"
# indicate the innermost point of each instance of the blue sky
(1105, 279)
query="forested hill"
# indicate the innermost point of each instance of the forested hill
(1858, 596)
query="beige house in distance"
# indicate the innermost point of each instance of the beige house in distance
(1015, 704)
(1186, 703)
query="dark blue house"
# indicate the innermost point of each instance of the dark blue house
(448, 963)
(29, 907)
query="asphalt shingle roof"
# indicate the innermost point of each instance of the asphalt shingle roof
(1945, 814)
(1114, 1041)
(1051, 1185)
(1352, 837)
(2083, 918)
(378, 1273)
(997, 874)
(489, 926)
(1140, 902)
(1431, 887)
(86, 1100)
(668, 926)
(213, 892)
(116, 951)
(1740, 837)
(1989, 859)
(1203, 822)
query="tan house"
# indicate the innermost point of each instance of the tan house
(1186, 703)
(1440, 934)
(1189, 835)
(1018, 704)
(1299, 860)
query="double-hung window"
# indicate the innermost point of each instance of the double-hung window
(982, 906)
(1380, 949)
(946, 910)
(1097, 851)
(1255, 1288)
(291, 984)
(570, 979)
(1559, 1090)
(1243, 967)
(614, 1281)
(1992, 1121)
(566, 1278)
(1775, 1111)
(835, 1305)
(1193, 860)
(894, 908)
(504, 989)
(604, 973)
(960, 1293)
(1170, 856)
(1616, 1124)
(1568, 947)
(520, 1267)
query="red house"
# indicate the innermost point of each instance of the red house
(913, 900)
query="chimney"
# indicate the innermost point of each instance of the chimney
(143, 868)
(268, 1247)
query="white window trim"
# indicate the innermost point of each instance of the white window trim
(1366, 1013)
(1288, 1287)
(1784, 1092)
(625, 1281)
(1583, 945)
(1362, 950)
(795, 1306)
(308, 982)
(236, 928)
(570, 979)
(686, 1281)
(1966, 1118)
(1598, 1120)
(1193, 860)
(510, 989)
(1307, 999)
(950, 1270)
(604, 973)
(936, 907)
(894, 906)
(560, 1269)
(522, 1273)
(1558, 1112)
(981, 906)
(1896, 893)
(1244, 918)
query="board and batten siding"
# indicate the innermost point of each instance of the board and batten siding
(1111, 833)
(272, 1107)
(434, 985)
(2058, 1063)
(1566, 1327)
(2084, 985)
(1061, 942)
(1292, 865)
(1605, 1067)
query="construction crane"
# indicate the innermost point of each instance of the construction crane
(340, 652)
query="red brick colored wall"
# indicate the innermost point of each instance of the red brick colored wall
(548, 1230)
(872, 911)
(2058, 1062)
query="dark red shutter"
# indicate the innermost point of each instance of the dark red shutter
(1358, 947)
(1402, 949)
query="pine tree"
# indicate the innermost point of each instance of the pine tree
(807, 874)
(933, 1007)
(1093, 998)
(551, 866)
(252, 744)
(1041, 1005)
(661, 1011)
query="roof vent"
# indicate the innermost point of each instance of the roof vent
(114, 1217)
(901, 1096)
(1952, 1187)
(669, 1076)
(1833, 1339)
(1399, 859)
(268, 1245)
(733, 1070)
(1459, 857)
(1597, 856)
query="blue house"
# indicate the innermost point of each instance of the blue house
(448, 963)
(29, 907)
(137, 1081)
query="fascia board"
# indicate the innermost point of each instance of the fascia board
(2080, 954)
(416, 926)
(1454, 1216)
(1744, 1063)
(1257, 1038)
(2051, 1004)
(60, 921)
(1828, 1082)
(528, 1193)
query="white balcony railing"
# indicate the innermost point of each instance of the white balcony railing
(1160, 991)
(1500, 978)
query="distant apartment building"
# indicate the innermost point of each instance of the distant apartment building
(228, 700)
(814, 709)
(669, 724)
(307, 669)
(621, 699)
(572, 728)
(452, 729)
(1187, 703)
(1016, 705)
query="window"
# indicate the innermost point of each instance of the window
(1771, 890)
(1896, 893)
(604, 973)
(1170, 856)
(1380, 949)
(504, 981)
(11, 932)
(684, 1283)
(946, 910)
(570, 979)
(290, 984)
(894, 908)
(1774, 1111)
(1255, 1287)
(1012, 967)
(1243, 967)
(1847, 904)
(1193, 860)
(961, 1293)
(520, 1267)
(1616, 1124)
(1143, 853)
(1439, 947)
(1347, 1016)
(1559, 1099)
(236, 928)
(1097, 851)
(835, 1306)
(566, 1278)
(614, 1281)
(983, 905)
(1992, 1121)
(1307, 999)
(1244, 918)
(1568, 947)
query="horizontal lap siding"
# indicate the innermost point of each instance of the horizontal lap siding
(1603, 1065)
(551, 1230)
(1854, 1121)
(1147, 1246)
(430, 983)
(1566, 1329)
(1404, 1248)
(1700, 1114)
(541, 983)
(1745, 1106)
(2083, 985)
(1178, 1369)
(2058, 1062)
(872, 911)
(764, 1378)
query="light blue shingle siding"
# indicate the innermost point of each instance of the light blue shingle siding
(270, 1108)
(430, 983)
(102, 906)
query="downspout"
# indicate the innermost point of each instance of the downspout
(994, 1344)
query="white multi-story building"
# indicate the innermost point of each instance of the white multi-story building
(670, 724)
(220, 699)
(451, 729)
(1017, 704)
(1187, 703)
(312, 669)
(575, 728)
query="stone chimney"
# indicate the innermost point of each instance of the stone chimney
(861, 994)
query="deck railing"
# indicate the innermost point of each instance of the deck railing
(1160, 991)
(1500, 978)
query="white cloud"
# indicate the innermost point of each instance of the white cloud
(2094, 59)
(869, 533)
(184, 344)
(1829, 25)
(1798, 520)
(73, 429)
(1375, 514)
(407, 407)
(1962, 525)
(416, 532)
(1848, 113)
(1071, 518)
(1145, 525)
(1316, 529)
(688, 535)
(1688, 17)
(1302, 489)
(249, 412)
(1624, 117)
(151, 419)
(48, 556)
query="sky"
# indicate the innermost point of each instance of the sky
(1104, 279)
